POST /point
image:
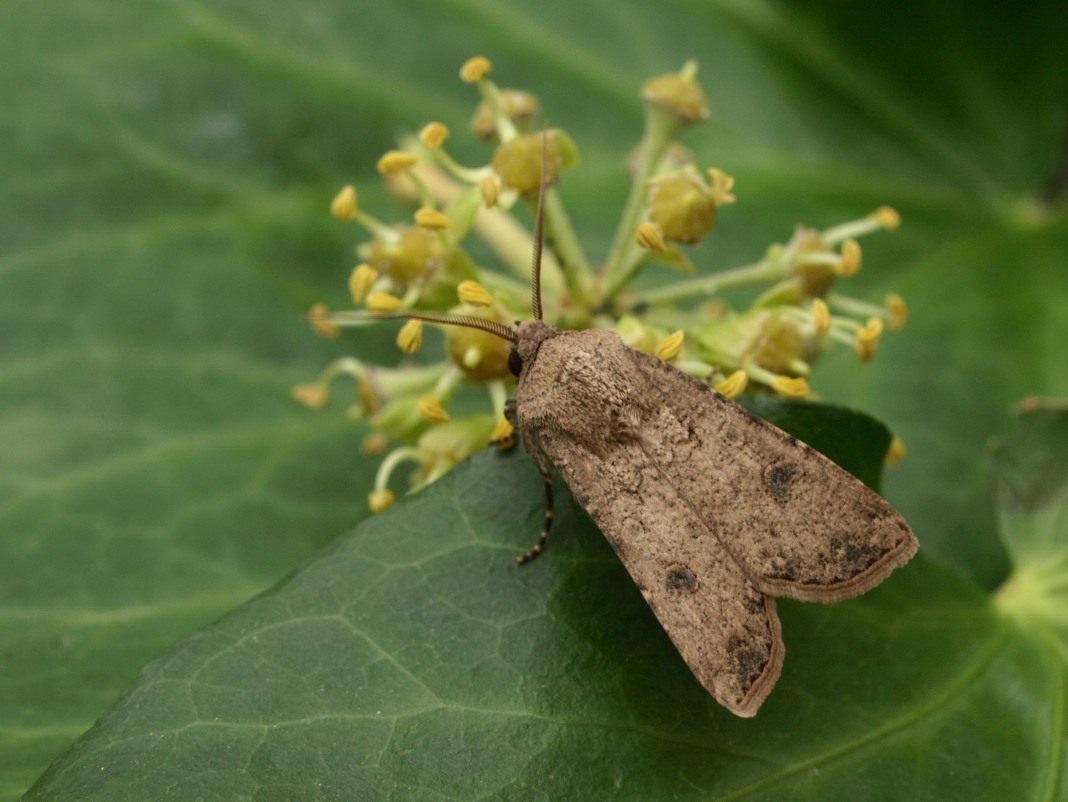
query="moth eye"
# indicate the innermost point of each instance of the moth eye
(515, 363)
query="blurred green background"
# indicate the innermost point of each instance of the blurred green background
(165, 173)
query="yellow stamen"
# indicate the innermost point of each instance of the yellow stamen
(433, 135)
(432, 219)
(734, 385)
(475, 69)
(383, 302)
(395, 161)
(344, 204)
(850, 262)
(821, 315)
(649, 236)
(722, 184)
(790, 386)
(897, 311)
(374, 443)
(668, 348)
(471, 292)
(503, 435)
(360, 281)
(887, 217)
(896, 452)
(318, 317)
(410, 336)
(873, 329)
(313, 396)
(380, 500)
(490, 187)
(432, 410)
(867, 339)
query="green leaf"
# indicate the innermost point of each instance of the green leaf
(166, 172)
(415, 660)
(1032, 484)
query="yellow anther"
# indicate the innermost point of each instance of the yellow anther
(395, 161)
(319, 318)
(887, 217)
(344, 204)
(821, 315)
(383, 302)
(668, 348)
(867, 339)
(475, 69)
(734, 385)
(790, 386)
(432, 219)
(721, 186)
(896, 452)
(649, 236)
(432, 410)
(313, 396)
(374, 443)
(360, 281)
(849, 264)
(380, 500)
(873, 329)
(490, 187)
(897, 311)
(471, 292)
(433, 135)
(503, 435)
(410, 336)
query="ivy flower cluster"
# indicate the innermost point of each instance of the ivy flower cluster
(422, 264)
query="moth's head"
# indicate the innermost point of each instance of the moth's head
(529, 337)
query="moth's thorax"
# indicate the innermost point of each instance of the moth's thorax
(531, 335)
(579, 380)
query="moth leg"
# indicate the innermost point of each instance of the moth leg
(550, 510)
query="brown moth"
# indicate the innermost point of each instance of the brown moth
(713, 510)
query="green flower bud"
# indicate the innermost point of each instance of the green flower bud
(518, 106)
(518, 161)
(480, 355)
(682, 205)
(678, 93)
(417, 252)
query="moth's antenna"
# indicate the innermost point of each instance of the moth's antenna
(539, 231)
(468, 321)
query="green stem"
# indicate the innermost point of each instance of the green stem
(660, 127)
(575, 266)
(756, 273)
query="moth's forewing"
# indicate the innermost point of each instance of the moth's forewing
(799, 525)
(724, 627)
(711, 509)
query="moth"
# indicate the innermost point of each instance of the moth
(713, 511)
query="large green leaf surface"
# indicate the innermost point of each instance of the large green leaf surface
(415, 660)
(166, 169)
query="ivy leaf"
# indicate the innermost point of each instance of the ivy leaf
(167, 169)
(414, 659)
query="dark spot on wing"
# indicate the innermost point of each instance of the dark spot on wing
(749, 660)
(777, 479)
(679, 578)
